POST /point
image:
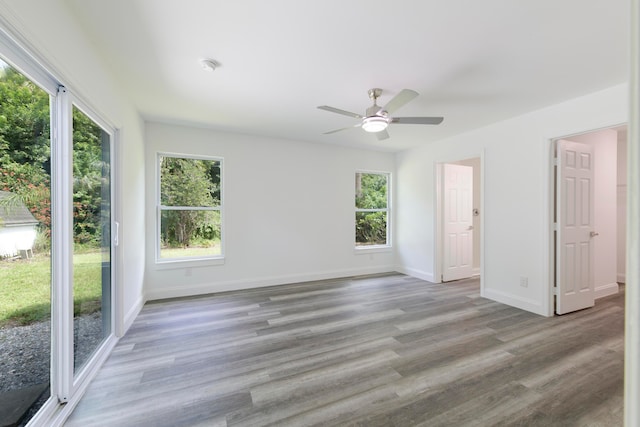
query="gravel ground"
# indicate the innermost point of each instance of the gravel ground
(25, 350)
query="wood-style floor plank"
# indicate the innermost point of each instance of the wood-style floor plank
(385, 350)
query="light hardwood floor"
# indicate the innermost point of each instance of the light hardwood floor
(385, 350)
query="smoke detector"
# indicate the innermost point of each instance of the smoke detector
(209, 64)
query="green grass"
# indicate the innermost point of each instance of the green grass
(25, 288)
(192, 251)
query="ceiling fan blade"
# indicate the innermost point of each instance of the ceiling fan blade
(341, 129)
(382, 135)
(418, 120)
(404, 96)
(339, 111)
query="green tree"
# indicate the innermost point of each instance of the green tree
(25, 152)
(371, 193)
(189, 183)
(24, 144)
(24, 120)
(88, 177)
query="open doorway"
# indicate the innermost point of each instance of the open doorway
(458, 219)
(589, 217)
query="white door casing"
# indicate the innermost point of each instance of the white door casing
(575, 233)
(457, 201)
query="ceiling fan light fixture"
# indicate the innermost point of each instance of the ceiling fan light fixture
(374, 124)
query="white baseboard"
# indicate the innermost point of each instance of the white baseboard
(132, 314)
(418, 274)
(236, 285)
(475, 272)
(514, 301)
(622, 278)
(606, 290)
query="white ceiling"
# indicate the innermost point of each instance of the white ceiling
(473, 62)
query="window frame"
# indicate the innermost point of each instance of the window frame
(388, 210)
(191, 261)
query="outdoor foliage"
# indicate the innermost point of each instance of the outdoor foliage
(25, 157)
(189, 183)
(371, 193)
(24, 144)
(90, 179)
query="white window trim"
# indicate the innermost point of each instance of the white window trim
(196, 261)
(377, 248)
(21, 59)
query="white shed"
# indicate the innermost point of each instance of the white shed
(17, 227)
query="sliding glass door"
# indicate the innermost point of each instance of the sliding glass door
(91, 237)
(56, 241)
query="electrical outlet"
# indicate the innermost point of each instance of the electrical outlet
(524, 282)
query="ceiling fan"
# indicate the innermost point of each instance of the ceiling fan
(377, 119)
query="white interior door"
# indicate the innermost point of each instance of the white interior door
(574, 239)
(457, 200)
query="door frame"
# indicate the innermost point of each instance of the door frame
(438, 224)
(549, 261)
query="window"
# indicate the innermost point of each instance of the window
(372, 209)
(189, 208)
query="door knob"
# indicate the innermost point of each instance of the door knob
(594, 234)
(470, 227)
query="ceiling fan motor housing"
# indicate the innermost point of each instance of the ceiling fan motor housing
(375, 110)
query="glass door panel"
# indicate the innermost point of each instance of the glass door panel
(91, 237)
(25, 246)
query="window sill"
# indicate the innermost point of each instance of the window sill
(372, 249)
(171, 264)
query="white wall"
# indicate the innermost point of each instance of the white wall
(56, 39)
(605, 152)
(288, 207)
(516, 225)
